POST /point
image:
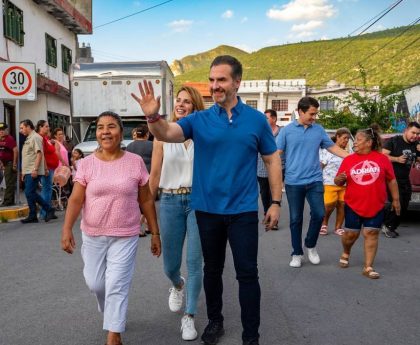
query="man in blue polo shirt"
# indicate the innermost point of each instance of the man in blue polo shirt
(227, 139)
(300, 141)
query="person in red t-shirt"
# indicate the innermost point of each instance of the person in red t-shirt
(367, 173)
(51, 163)
(8, 163)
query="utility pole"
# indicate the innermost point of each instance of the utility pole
(268, 91)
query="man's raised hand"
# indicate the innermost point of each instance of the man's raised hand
(148, 103)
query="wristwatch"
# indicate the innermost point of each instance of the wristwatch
(277, 202)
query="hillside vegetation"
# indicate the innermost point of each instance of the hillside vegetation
(397, 61)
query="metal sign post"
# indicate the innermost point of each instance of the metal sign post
(17, 82)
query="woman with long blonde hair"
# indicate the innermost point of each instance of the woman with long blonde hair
(171, 173)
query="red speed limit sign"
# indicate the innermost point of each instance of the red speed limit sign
(18, 81)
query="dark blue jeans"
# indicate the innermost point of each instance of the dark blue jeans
(32, 196)
(242, 232)
(296, 194)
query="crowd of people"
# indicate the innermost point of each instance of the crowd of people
(208, 168)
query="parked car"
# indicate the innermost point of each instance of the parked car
(89, 143)
(414, 177)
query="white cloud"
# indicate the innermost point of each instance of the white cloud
(305, 34)
(181, 25)
(324, 38)
(302, 10)
(312, 24)
(228, 14)
(244, 19)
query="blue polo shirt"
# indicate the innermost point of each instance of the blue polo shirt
(301, 147)
(225, 158)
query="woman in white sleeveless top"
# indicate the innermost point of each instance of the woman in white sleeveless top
(171, 172)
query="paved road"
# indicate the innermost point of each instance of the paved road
(43, 298)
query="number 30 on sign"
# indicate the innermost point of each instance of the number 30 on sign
(17, 81)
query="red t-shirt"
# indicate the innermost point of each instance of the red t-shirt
(366, 182)
(7, 143)
(50, 155)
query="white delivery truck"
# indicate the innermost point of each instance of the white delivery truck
(107, 86)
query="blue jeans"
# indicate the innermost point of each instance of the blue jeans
(177, 222)
(32, 196)
(296, 194)
(242, 232)
(46, 192)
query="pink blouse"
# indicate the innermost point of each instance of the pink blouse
(111, 201)
(64, 154)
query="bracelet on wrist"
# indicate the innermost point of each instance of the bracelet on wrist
(153, 118)
(157, 234)
(276, 202)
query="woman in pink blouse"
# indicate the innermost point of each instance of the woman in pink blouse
(110, 185)
(62, 153)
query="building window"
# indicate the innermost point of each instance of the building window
(51, 50)
(13, 23)
(65, 59)
(280, 104)
(56, 120)
(327, 104)
(252, 103)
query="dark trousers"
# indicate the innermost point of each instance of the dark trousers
(32, 196)
(242, 232)
(392, 220)
(10, 177)
(265, 192)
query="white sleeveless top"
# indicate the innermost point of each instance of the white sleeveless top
(177, 166)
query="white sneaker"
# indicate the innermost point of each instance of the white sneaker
(176, 297)
(188, 328)
(313, 256)
(296, 261)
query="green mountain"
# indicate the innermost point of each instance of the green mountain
(202, 60)
(389, 57)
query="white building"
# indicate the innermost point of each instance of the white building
(333, 93)
(280, 95)
(43, 32)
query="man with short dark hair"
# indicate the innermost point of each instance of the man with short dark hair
(227, 139)
(262, 174)
(300, 141)
(402, 151)
(33, 167)
(8, 163)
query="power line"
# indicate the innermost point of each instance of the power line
(361, 26)
(411, 25)
(380, 17)
(133, 14)
(375, 19)
(390, 58)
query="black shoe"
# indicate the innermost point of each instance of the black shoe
(251, 342)
(213, 331)
(4, 204)
(396, 233)
(50, 215)
(388, 232)
(29, 220)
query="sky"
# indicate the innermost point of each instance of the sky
(185, 27)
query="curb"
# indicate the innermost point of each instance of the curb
(15, 213)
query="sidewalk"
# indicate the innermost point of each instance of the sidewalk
(16, 212)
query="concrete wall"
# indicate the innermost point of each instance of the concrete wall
(38, 22)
